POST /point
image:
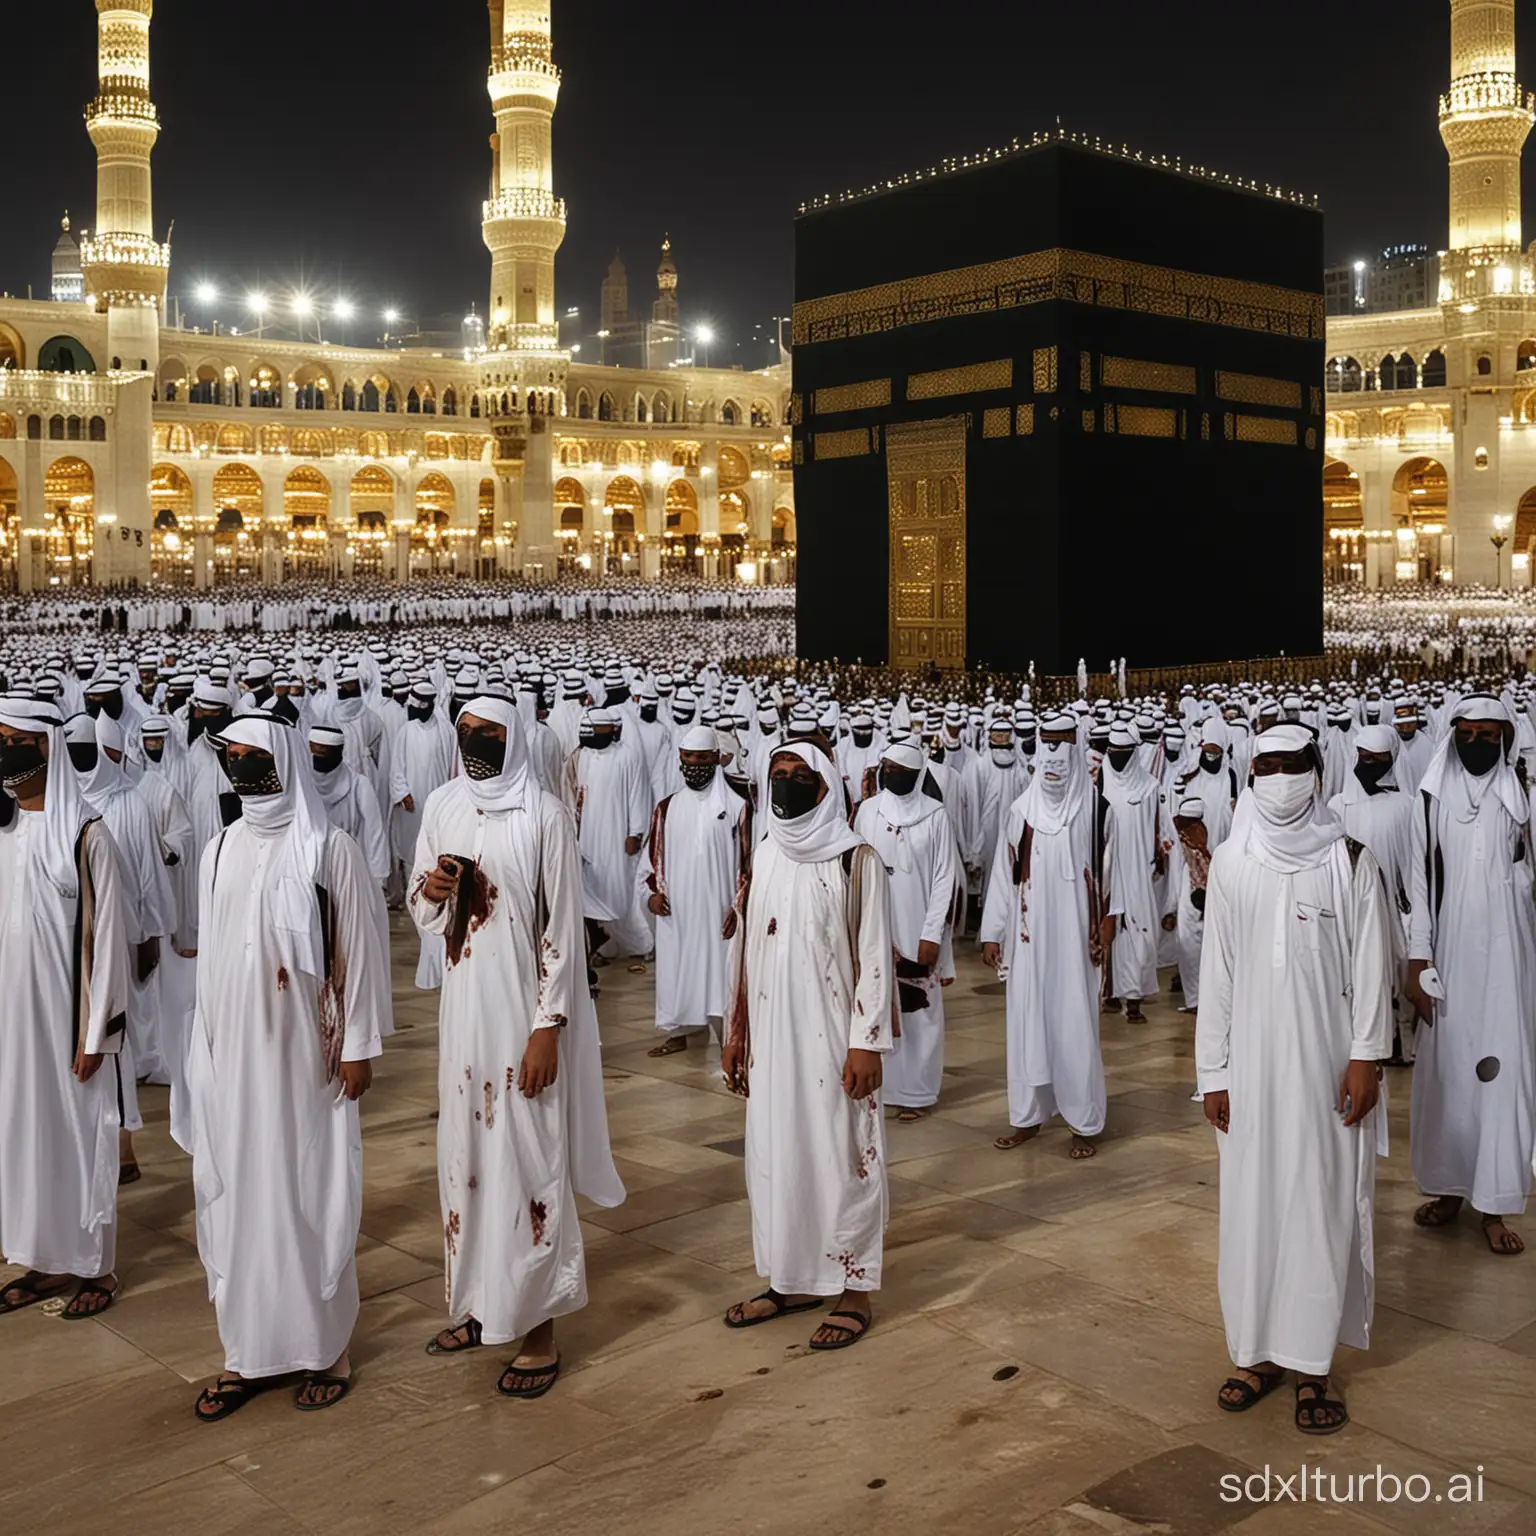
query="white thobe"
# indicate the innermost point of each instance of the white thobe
(422, 760)
(613, 805)
(1294, 985)
(508, 1167)
(1473, 1117)
(1132, 825)
(924, 869)
(696, 849)
(58, 1136)
(815, 1159)
(277, 1152)
(1042, 929)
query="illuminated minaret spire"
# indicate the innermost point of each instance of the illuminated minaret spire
(524, 222)
(1484, 120)
(125, 266)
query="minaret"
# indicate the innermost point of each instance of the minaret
(125, 267)
(1484, 120)
(524, 222)
(614, 309)
(664, 310)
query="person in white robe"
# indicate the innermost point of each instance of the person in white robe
(422, 761)
(613, 813)
(522, 1126)
(905, 825)
(64, 953)
(1189, 863)
(151, 904)
(1042, 932)
(348, 797)
(293, 1002)
(1472, 977)
(1004, 777)
(1295, 1015)
(810, 1024)
(1213, 780)
(699, 854)
(1133, 859)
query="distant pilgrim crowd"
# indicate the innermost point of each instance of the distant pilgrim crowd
(202, 837)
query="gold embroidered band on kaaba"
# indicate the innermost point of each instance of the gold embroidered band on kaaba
(1076, 277)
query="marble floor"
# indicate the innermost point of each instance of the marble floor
(1045, 1358)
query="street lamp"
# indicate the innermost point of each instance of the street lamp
(704, 335)
(257, 304)
(1499, 538)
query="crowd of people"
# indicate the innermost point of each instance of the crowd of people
(1444, 630)
(202, 836)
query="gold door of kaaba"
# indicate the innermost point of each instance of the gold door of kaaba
(925, 474)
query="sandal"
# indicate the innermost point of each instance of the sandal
(782, 1308)
(1507, 1246)
(907, 1116)
(320, 1381)
(670, 1046)
(529, 1373)
(227, 1397)
(1319, 1403)
(90, 1291)
(1016, 1138)
(1437, 1213)
(470, 1328)
(1268, 1381)
(853, 1335)
(30, 1293)
(129, 1173)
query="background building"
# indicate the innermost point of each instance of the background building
(1431, 389)
(135, 450)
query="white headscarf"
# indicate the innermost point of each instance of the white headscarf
(822, 833)
(333, 787)
(297, 814)
(915, 806)
(1371, 738)
(1060, 784)
(1291, 846)
(717, 793)
(1463, 793)
(508, 790)
(107, 778)
(65, 810)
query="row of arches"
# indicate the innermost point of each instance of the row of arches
(56, 428)
(317, 442)
(312, 386)
(1345, 375)
(659, 408)
(59, 354)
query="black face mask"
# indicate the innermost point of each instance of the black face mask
(1370, 775)
(19, 760)
(350, 691)
(1211, 764)
(83, 671)
(419, 712)
(154, 748)
(484, 756)
(455, 704)
(253, 774)
(83, 754)
(616, 696)
(599, 741)
(791, 799)
(698, 775)
(261, 693)
(1120, 761)
(1027, 745)
(648, 712)
(213, 724)
(900, 781)
(863, 738)
(327, 762)
(402, 698)
(1479, 757)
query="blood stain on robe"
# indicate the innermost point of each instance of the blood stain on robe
(332, 1017)
(474, 1183)
(471, 915)
(538, 1216)
(490, 1106)
(282, 978)
(851, 1269)
(773, 926)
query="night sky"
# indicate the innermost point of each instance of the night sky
(343, 143)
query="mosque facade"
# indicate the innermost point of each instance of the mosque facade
(135, 450)
(1430, 472)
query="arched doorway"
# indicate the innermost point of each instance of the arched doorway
(1343, 375)
(488, 539)
(680, 535)
(783, 542)
(170, 540)
(69, 489)
(623, 525)
(307, 515)
(63, 354)
(432, 544)
(372, 504)
(1343, 524)
(13, 351)
(1522, 557)
(1420, 492)
(10, 527)
(570, 523)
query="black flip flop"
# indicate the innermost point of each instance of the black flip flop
(320, 1379)
(31, 1296)
(1251, 1394)
(231, 1397)
(783, 1308)
(470, 1325)
(90, 1289)
(865, 1324)
(529, 1373)
(1319, 1400)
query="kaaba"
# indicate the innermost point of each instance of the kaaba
(1060, 404)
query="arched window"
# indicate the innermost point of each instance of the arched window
(605, 411)
(73, 429)
(730, 413)
(640, 410)
(1434, 370)
(34, 427)
(450, 401)
(474, 406)
(98, 430)
(1484, 366)
(56, 429)
(584, 405)
(413, 403)
(1525, 355)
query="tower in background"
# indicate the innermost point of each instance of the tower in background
(664, 310)
(125, 267)
(615, 302)
(68, 281)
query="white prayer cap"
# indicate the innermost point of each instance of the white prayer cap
(1378, 738)
(602, 717)
(260, 669)
(903, 754)
(106, 683)
(155, 725)
(398, 680)
(1283, 738)
(1482, 706)
(210, 695)
(698, 738)
(1058, 722)
(424, 692)
(1121, 737)
(1192, 809)
(326, 736)
(1214, 733)
(80, 728)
